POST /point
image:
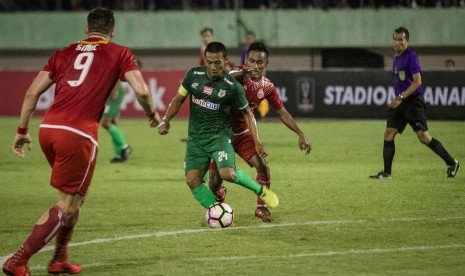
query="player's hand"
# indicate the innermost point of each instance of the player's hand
(260, 150)
(19, 142)
(155, 120)
(395, 103)
(163, 128)
(304, 144)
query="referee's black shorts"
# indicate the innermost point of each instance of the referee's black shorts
(412, 111)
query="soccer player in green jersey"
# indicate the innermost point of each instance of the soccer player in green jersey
(212, 92)
(109, 122)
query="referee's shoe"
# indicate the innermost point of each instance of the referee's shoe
(453, 169)
(381, 175)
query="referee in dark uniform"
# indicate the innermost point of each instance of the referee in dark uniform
(409, 107)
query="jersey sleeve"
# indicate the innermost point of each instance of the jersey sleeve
(414, 64)
(50, 66)
(273, 97)
(186, 83)
(239, 96)
(128, 63)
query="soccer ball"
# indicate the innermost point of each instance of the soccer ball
(220, 215)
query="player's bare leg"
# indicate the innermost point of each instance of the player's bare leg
(215, 183)
(264, 179)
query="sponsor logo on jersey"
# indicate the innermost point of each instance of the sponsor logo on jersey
(207, 90)
(222, 93)
(205, 104)
(195, 85)
(260, 94)
(199, 73)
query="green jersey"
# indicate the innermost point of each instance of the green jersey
(211, 101)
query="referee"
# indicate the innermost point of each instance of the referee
(409, 107)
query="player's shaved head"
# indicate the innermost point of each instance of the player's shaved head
(100, 20)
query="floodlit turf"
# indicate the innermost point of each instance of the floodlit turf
(140, 218)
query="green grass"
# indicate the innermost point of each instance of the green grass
(332, 219)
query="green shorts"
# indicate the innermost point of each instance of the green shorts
(199, 152)
(113, 105)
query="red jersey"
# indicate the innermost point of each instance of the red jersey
(202, 53)
(255, 92)
(85, 74)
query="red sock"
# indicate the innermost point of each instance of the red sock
(40, 236)
(264, 180)
(62, 239)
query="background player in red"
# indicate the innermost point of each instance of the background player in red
(84, 73)
(206, 35)
(257, 88)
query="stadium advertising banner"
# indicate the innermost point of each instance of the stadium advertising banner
(364, 94)
(324, 94)
(163, 85)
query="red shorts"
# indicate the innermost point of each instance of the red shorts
(72, 158)
(244, 145)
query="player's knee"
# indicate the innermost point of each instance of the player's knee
(70, 210)
(424, 140)
(389, 135)
(228, 174)
(193, 182)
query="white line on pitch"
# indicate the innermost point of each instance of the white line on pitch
(201, 230)
(302, 255)
(334, 253)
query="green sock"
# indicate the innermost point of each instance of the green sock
(243, 179)
(117, 138)
(204, 196)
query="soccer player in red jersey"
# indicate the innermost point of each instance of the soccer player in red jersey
(206, 35)
(257, 88)
(85, 74)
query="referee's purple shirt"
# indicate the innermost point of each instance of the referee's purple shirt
(403, 68)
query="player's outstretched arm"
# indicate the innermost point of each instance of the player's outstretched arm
(287, 119)
(143, 95)
(252, 125)
(171, 112)
(38, 86)
(237, 73)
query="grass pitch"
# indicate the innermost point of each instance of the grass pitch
(140, 218)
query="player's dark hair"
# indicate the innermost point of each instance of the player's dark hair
(206, 29)
(216, 47)
(259, 47)
(450, 62)
(100, 20)
(402, 30)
